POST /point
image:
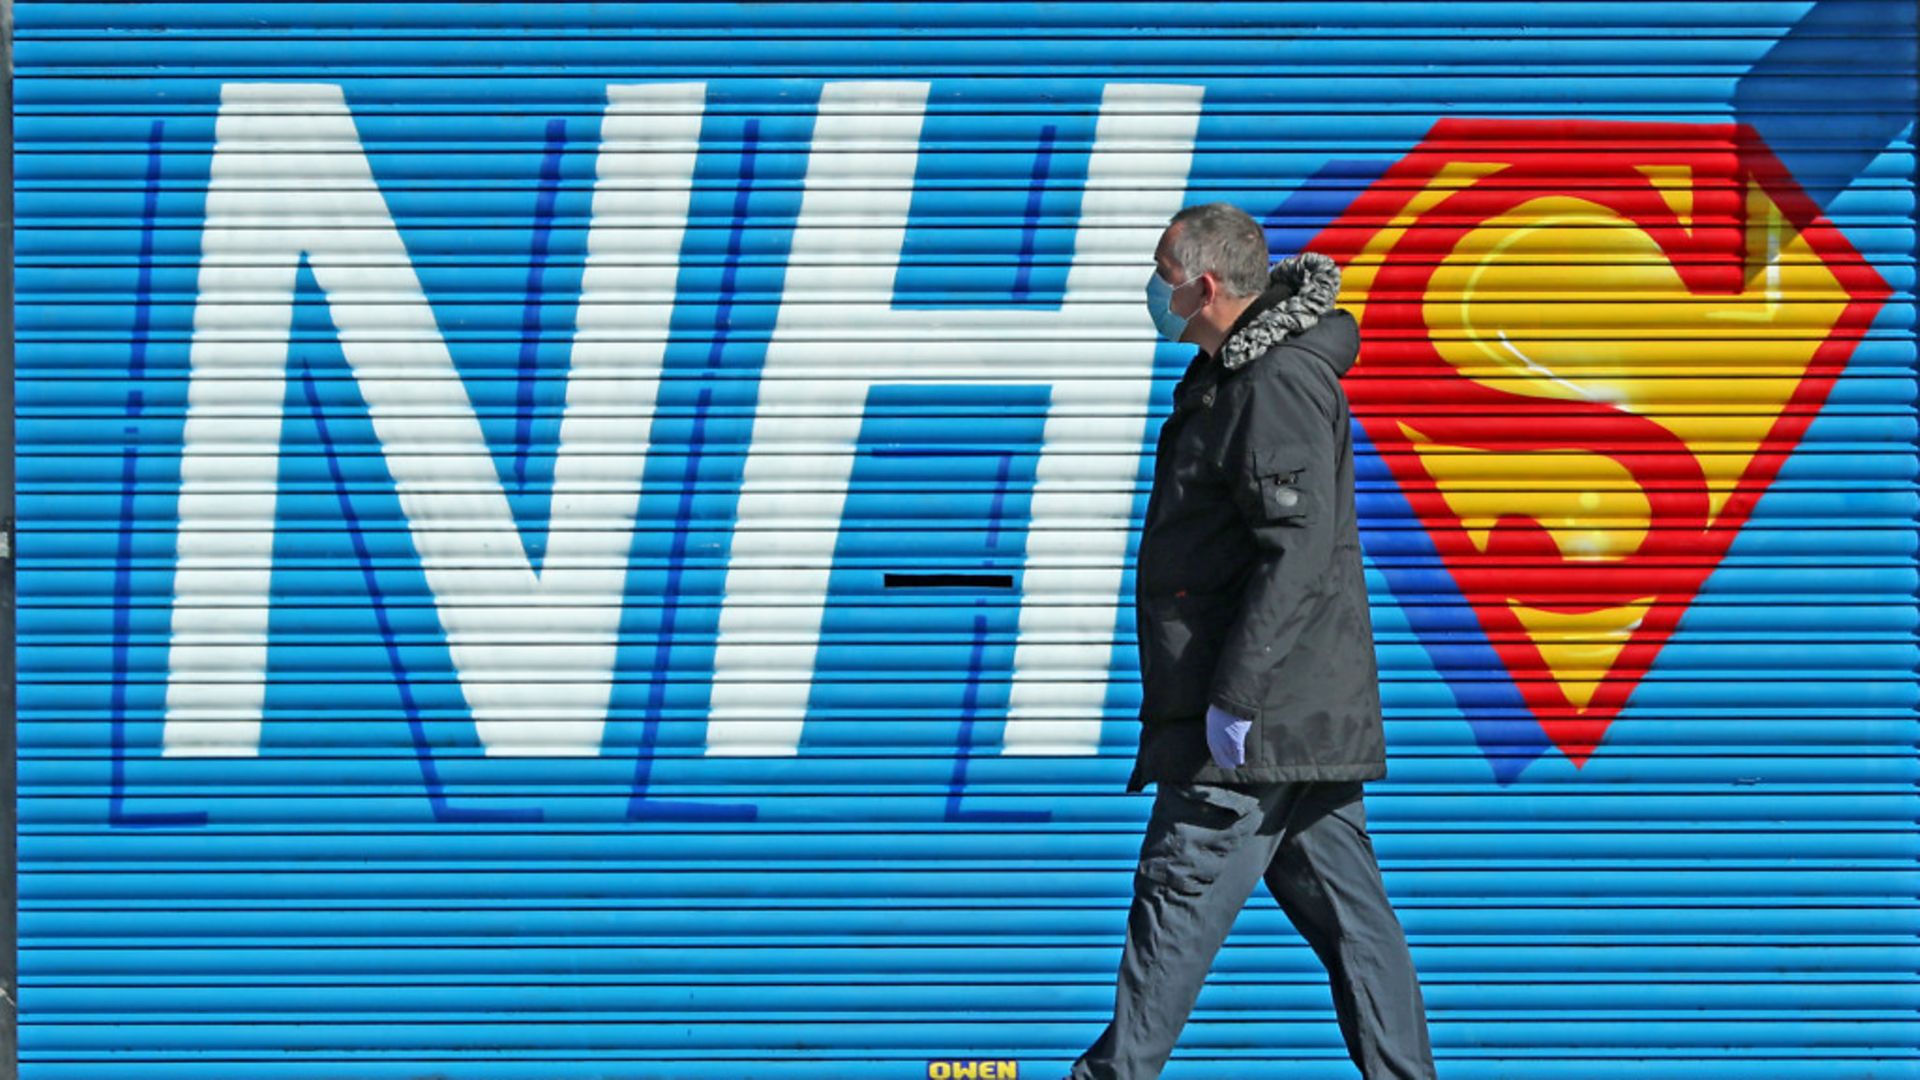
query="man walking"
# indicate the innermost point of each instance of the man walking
(1260, 711)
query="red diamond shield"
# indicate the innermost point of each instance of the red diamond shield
(1588, 347)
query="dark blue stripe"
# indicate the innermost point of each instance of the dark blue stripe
(639, 805)
(1324, 196)
(117, 814)
(969, 710)
(422, 751)
(970, 697)
(117, 706)
(1825, 136)
(1030, 231)
(999, 500)
(736, 240)
(143, 286)
(1508, 733)
(530, 314)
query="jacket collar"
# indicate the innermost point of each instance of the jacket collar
(1300, 289)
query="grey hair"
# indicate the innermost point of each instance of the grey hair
(1224, 239)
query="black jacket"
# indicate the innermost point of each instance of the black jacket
(1249, 593)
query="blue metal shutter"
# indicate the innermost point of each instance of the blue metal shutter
(577, 540)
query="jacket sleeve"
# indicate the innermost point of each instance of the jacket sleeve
(1278, 456)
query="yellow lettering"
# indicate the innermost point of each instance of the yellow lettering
(973, 1070)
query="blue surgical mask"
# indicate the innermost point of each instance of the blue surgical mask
(1160, 306)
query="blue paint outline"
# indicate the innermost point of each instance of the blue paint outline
(641, 806)
(117, 813)
(1320, 199)
(529, 360)
(1507, 733)
(1827, 149)
(969, 701)
(143, 282)
(995, 508)
(1030, 227)
(963, 753)
(976, 668)
(416, 728)
(1505, 730)
(976, 656)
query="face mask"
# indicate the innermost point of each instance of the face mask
(1160, 306)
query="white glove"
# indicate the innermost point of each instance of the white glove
(1227, 737)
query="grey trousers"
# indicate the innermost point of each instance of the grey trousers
(1205, 846)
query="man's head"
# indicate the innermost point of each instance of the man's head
(1211, 262)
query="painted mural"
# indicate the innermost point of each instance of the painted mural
(1592, 345)
(576, 540)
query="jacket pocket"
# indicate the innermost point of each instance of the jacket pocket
(1181, 637)
(1285, 488)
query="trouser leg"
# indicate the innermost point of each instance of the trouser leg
(1204, 850)
(1327, 880)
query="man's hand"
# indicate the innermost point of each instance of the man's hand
(1227, 737)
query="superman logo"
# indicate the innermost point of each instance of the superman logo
(1588, 348)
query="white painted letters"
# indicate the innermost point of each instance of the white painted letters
(290, 178)
(838, 334)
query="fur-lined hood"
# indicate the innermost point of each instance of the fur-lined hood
(1313, 280)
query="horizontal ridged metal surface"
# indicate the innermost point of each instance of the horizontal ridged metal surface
(575, 540)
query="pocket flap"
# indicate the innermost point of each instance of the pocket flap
(1285, 495)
